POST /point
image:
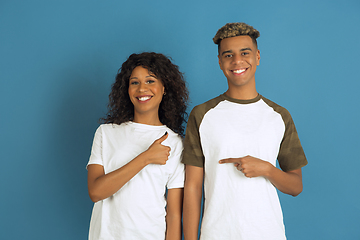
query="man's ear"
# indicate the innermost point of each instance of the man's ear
(219, 62)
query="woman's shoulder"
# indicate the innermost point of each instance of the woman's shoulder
(174, 139)
(109, 128)
(113, 125)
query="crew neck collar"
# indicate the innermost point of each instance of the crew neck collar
(142, 125)
(248, 101)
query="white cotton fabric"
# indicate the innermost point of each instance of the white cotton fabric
(237, 207)
(137, 210)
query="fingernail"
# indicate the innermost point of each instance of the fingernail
(165, 133)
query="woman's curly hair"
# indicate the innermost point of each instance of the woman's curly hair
(172, 109)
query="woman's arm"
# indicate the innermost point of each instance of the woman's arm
(101, 185)
(173, 213)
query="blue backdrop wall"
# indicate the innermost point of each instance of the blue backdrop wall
(58, 60)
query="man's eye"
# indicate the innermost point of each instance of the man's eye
(244, 53)
(228, 56)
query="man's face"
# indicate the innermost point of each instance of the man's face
(238, 59)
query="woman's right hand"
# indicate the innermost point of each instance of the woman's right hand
(103, 185)
(157, 153)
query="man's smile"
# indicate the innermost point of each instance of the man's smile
(239, 71)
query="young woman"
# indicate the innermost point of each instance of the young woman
(136, 153)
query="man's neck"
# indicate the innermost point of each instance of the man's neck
(242, 94)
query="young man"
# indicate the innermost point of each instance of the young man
(232, 143)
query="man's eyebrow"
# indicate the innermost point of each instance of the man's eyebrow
(224, 52)
(231, 51)
(245, 49)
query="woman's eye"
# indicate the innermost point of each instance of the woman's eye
(134, 83)
(150, 81)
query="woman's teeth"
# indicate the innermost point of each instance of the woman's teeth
(144, 98)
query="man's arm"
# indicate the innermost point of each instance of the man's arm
(287, 182)
(194, 177)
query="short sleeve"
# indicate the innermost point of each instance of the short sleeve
(291, 154)
(177, 178)
(96, 150)
(193, 154)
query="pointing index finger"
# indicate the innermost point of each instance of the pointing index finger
(229, 160)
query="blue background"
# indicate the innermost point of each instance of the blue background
(58, 60)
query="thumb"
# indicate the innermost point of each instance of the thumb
(162, 138)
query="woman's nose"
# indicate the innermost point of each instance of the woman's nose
(142, 87)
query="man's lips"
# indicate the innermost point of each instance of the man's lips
(239, 71)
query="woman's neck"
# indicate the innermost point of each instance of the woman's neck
(147, 119)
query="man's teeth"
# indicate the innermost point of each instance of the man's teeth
(144, 98)
(239, 71)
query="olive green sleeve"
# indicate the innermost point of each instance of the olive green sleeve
(291, 154)
(193, 154)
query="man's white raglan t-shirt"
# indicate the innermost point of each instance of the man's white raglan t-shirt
(137, 210)
(237, 207)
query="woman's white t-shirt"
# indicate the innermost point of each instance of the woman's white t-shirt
(137, 210)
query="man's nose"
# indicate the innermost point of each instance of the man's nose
(237, 59)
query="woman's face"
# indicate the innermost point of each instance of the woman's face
(145, 92)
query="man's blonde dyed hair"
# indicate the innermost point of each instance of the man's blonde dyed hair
(234, 30)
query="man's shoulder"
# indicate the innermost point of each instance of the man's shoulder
(202, 108)
(277, 108)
